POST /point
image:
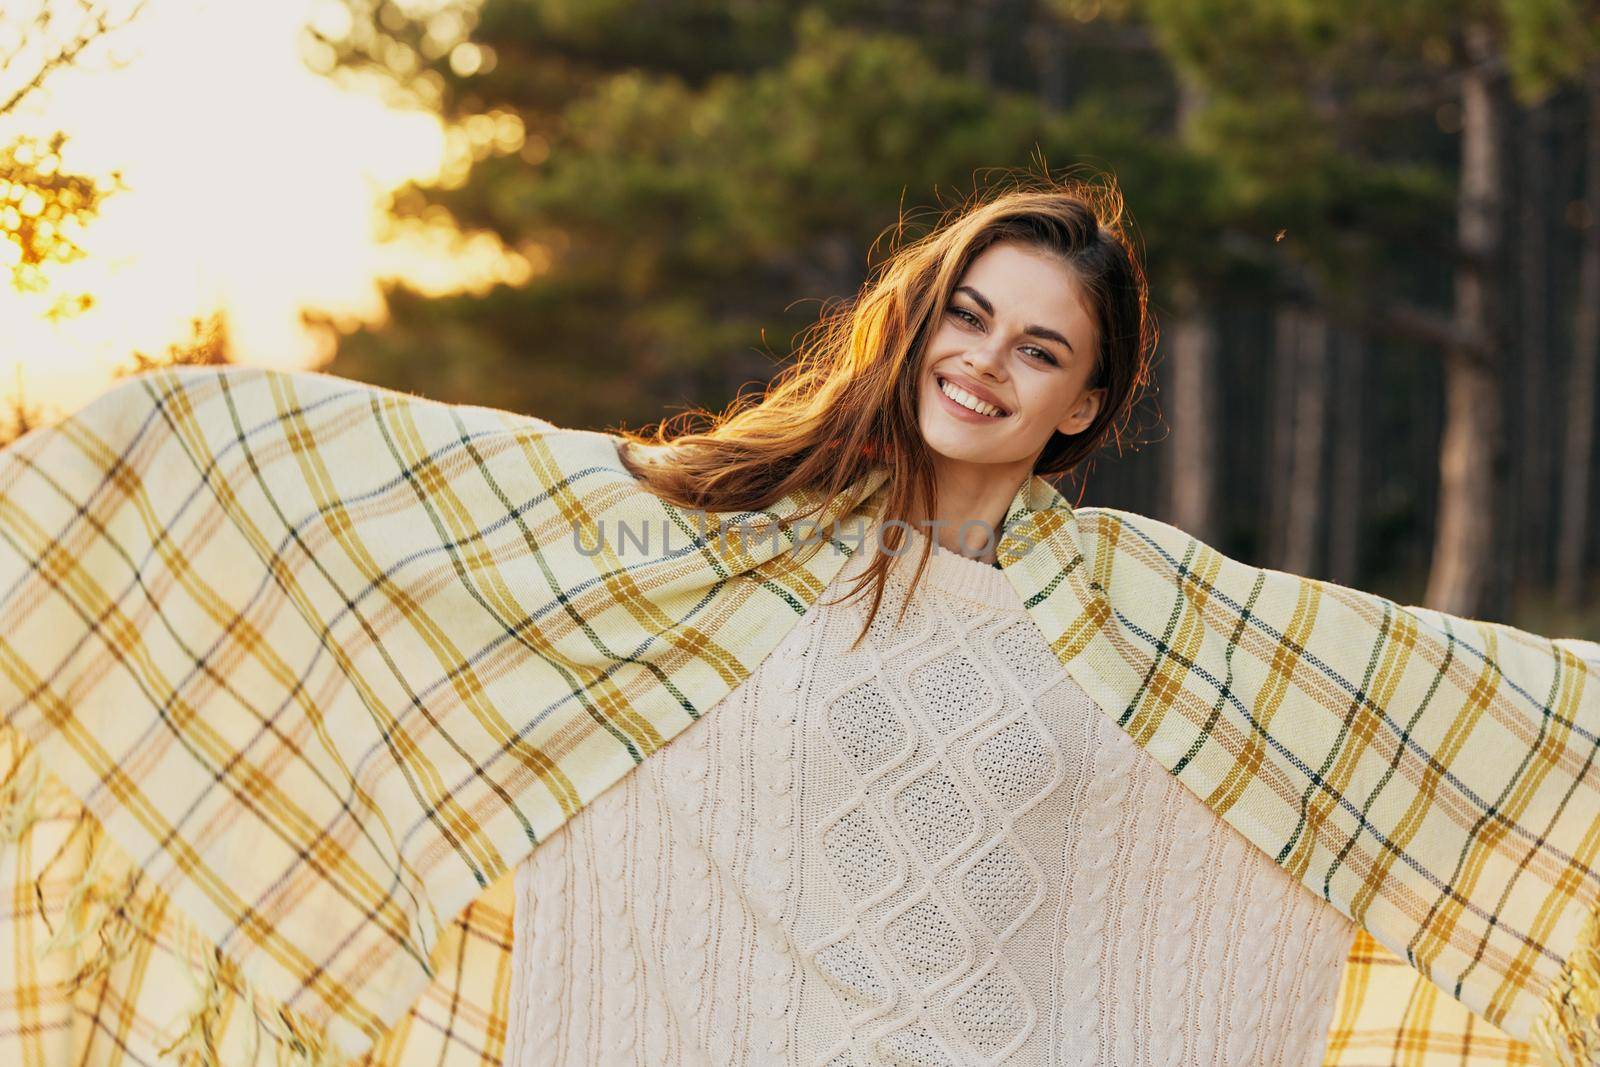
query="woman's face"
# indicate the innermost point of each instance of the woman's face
(1017, 335)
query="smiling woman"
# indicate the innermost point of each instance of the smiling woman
(1033, 303)
(335, 727)
(1009, 344)
(997, 387)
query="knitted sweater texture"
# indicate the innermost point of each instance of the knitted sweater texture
(930, 849)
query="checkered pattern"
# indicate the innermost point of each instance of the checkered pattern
(1388, 1015)
(303, 668)
(1431, 776)
(105, 971)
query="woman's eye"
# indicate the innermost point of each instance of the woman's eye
(966, 316)
(1037, 353)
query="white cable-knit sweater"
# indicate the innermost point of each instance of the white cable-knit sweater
(930, 849)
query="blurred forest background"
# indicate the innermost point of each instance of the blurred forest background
(1372, 229)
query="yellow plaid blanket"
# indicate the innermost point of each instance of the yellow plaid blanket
(296, 670)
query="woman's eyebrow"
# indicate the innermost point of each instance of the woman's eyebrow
(1036, 331)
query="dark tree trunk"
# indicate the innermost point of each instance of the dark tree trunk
(1296, 443)
(1192, 453)
(1191, 375)
(1466, 577)
(1278, 455)
(980, 53)
(1304, 491)
(1534, 439)
(1576, 484)
(1348, 490)
(1047, 48)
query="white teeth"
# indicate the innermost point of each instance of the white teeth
(967, 400)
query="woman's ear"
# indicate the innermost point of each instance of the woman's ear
(1083, 412)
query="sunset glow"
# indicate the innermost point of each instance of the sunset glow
(255, 187)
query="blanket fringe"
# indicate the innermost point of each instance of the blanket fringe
(19, 788)
(197, 1043)
(216, 977)
(1567, 1034)
(104, 916)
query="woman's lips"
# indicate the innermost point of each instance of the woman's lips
(958, 410)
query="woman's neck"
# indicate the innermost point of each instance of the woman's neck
(972, 502)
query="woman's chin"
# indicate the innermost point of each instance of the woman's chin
(959, 448)
(952, 445)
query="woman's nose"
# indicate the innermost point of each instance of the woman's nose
(986, 358)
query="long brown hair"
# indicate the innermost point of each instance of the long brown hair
(848, 404)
